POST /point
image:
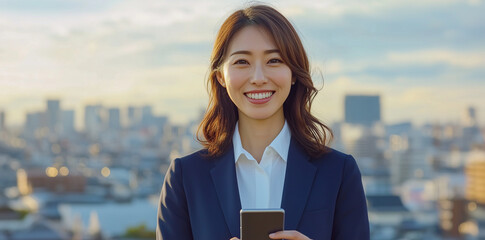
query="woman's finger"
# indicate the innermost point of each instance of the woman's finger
(289, 234)
(234, 238)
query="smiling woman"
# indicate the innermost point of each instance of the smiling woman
(255, 76)
(263, 147)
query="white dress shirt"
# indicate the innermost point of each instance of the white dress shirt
(261, 185)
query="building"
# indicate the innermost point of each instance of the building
(67, 122)
(475, 173)
(30, 180)
(114, 120)
(134, 117)
(386, 215)
(53, 116)
(360, 141)
(93, 120)
(365, 144)
(475, 227)
(362, 109)
(34, 124)
(2, 120)
(146, 115)
(410, 157)
(11, 220)
(469, 117)
(452, 213)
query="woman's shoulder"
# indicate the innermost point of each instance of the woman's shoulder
(194, 163)
(334, 156)
(196, 156)
(336, 160)
(333, 153)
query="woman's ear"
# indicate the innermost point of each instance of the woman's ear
(220, 78)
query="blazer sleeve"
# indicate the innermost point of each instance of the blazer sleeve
(350, 219)
(173, 217)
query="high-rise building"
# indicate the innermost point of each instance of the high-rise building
(360, 141)
(410, 156)
(475, 172)
(67, 122)
(114, 119)
(471, 135)
(34, 121)
(362, 109)
(93, 120)
(53, 115)
(146, 115)
(2, 120)
(470, 117)
(133, 116)
(452, 213)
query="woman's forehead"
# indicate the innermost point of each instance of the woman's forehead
(251, 38)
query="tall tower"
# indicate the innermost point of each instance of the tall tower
(362, 109)
(146, 115)
(67, 122)
(475, 172)
(2, 120)
(93, 120)
(470, 117)
(34, 121)
(114, 119)
(53, 115)
(133, 117)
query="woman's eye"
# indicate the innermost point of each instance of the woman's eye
(241, 61)
(275, 60)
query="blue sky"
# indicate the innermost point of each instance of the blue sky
(425, 58)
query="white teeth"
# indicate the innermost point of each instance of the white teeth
(259, 95)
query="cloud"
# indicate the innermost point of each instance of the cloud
(122, 52)
(420, 103)
(454, 58)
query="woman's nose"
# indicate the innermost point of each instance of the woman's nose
(258, 76)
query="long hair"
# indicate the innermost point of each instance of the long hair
(221, 116)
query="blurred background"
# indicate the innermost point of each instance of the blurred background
(97, 97)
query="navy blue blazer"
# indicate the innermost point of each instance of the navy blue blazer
(323, 198)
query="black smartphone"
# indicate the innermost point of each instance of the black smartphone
(257, 224)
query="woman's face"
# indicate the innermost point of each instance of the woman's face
(255, 76)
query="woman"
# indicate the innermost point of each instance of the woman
(263, 147)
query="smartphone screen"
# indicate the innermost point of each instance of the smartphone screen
(257, 224)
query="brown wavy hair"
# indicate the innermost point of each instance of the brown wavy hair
(221, 116)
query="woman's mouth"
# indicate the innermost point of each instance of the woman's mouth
(259, 96)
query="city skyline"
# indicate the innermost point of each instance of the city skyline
(124, 114)
(424, 58)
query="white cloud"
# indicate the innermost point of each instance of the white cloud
(341, 8)
(456, 58)
(126, 52)
(420, 103)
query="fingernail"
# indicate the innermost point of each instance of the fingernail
(271, 235)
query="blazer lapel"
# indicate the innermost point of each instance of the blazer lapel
(225, 182)
(298, 184)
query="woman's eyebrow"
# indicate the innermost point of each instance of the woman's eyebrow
(250, 53)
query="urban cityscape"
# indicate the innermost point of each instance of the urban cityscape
(104, 181)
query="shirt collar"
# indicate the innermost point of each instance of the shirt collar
(281, 144)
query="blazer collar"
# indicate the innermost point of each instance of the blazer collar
(298, 184)
(300, 174)
(225, 181)
(280, 144)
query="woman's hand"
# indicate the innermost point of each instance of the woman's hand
(288, 234)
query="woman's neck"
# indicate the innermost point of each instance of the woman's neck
(256, 135)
